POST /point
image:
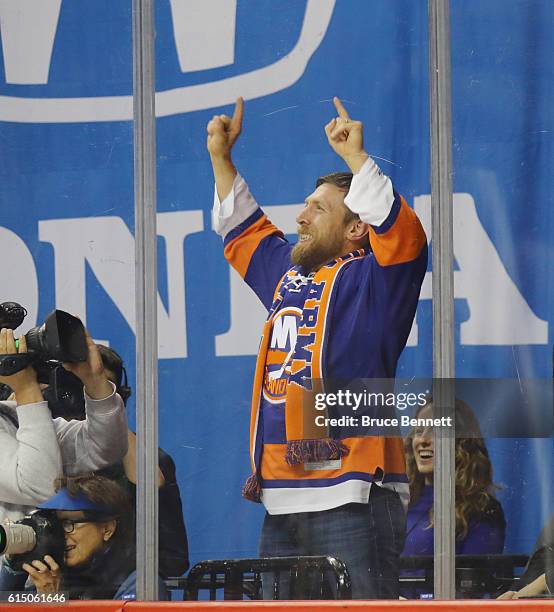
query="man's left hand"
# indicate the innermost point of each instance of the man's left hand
(346, 137)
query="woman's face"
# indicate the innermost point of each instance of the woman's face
(422, 447)
(83, 538)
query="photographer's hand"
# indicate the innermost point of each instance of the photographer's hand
(45, 576)
(92, 373)
(24, 383)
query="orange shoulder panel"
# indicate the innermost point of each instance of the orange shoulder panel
(402, 242)
(239, 251)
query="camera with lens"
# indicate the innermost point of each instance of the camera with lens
(60, 338)
(38, 534)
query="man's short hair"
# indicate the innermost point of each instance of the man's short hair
(342, 180)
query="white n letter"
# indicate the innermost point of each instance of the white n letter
(174, 227)
(28, 32)
(107, 245)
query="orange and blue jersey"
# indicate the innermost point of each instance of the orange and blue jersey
(364, 319)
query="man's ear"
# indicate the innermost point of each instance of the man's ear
(109, 529)
(357, 230)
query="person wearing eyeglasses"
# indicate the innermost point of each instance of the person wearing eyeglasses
(173, 544)
(99, 555)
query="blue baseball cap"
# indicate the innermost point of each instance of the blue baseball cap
(62, 500)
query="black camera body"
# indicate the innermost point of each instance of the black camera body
(64, 393)
(38, 534)
(61, 338)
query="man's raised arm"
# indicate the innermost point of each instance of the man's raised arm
(101, 439)
(252, 244)
(395, 233)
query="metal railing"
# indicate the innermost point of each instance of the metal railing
(325, 577)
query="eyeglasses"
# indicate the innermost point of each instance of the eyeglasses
(69, 525)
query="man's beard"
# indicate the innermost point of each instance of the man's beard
(314, 253)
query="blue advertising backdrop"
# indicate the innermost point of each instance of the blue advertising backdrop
(66, 194)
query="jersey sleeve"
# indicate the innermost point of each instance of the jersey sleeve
(253, 246)
(382, 290)
(396, 234)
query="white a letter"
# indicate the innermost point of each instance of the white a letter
(499, 314)
(28, 32)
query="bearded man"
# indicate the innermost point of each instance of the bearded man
(341, 303)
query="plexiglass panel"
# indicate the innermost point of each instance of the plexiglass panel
(502, 141)
(68, 250)
(288, 61)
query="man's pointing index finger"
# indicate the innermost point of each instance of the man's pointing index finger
(236, 121)
(340, 108)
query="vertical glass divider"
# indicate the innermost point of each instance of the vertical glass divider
(146, 298)
(443, 294)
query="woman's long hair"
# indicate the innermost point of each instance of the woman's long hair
(474, 485)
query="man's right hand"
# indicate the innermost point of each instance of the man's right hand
(223, 132)
(92, 372)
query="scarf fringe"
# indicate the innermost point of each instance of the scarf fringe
(252, 489)
(307, 451)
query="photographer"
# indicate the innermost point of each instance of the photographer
(99, 556)
(36, 449)
(173, 544)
